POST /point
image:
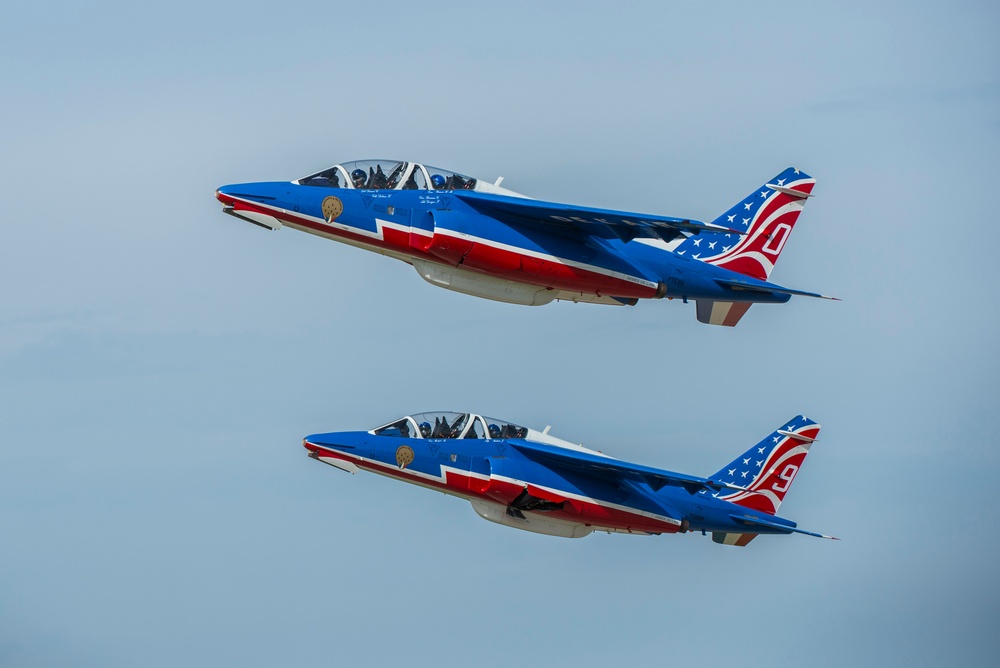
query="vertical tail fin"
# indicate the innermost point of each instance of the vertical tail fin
(767, 216)
(768, 469)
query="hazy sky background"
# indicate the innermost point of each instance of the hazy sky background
(160, 362)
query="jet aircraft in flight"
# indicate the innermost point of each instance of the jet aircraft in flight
(531, 480)
(478, 238)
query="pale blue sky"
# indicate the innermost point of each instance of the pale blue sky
(160, 362)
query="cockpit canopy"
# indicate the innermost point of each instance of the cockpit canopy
(446, 424)
(388, 175)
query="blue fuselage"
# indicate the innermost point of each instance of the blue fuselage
(439, 229)
(496, 471)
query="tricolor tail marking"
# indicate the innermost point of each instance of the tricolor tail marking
(768, 469)
(766, 216)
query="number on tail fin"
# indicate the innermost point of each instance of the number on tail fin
(788, 475)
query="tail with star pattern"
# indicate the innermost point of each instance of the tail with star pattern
(766, 216)
(766, 470)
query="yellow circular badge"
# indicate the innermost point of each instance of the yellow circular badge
(404, 456)
(332, 207)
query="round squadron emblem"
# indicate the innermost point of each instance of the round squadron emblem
(332, 207)
(404, 456)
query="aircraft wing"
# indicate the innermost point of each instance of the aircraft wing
(606, 467)
(603, 223)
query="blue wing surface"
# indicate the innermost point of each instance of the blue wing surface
(603, 223)
(608, 468)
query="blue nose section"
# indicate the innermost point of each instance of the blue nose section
(345, 441)
(281, 194)
(263, 204)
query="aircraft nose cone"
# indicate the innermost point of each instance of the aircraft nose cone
(222, 194)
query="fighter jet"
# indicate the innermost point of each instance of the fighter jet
(531, 480)
(481, 239)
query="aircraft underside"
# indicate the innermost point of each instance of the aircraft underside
(474, 267)
(467, 235)
(515, 503)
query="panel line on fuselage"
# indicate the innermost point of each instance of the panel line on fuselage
(611, 273)
(437, 482)
(296, 219)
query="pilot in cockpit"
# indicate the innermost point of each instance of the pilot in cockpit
(358, 177)
(438, 182)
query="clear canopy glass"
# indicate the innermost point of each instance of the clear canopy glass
(448, 424)
(388, 175)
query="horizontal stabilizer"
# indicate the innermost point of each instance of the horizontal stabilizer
(783, 528)
(797, 437)
(790, 191)
(763, 287)
(603, 223)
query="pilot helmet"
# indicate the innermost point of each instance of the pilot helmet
(358, 175)
(425, 429)
(438, 181)
(494, 431)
